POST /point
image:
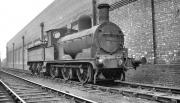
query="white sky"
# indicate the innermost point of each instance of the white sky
(15, 15)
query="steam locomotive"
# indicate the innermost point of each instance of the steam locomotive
(89, 54)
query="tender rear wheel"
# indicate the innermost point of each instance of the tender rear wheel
(67, 73)
(39, 68)
(84, 73)
(54, 72)
(30, 68)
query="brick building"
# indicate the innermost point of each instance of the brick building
(135, 19)
(133, 16)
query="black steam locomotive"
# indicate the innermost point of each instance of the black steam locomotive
(89, 54)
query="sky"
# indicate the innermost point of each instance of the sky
(15, 15)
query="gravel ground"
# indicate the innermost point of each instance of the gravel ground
(92, 95)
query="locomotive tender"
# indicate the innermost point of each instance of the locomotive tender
(90, 54)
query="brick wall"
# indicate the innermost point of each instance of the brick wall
(168, 30)
(165, 75)
(135, 21)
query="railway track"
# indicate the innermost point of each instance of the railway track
(31, 92)
(150, 92)
(171, 90)
(154, 93)
(157, 93)
(7, 95)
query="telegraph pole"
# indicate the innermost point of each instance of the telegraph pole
(154, 32)
(0, 60)
(42, 38)
(13, 55)
(23, 51)
(7, 57)
(42, 31)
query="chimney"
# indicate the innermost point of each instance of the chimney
(103, 13)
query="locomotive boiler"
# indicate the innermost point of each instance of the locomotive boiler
(89, 54)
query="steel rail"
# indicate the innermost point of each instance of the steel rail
(156, 93)
(12, 93)
(164, 97)
(172, 90)
(65, 94)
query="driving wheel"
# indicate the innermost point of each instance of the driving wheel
(67, 73)
(84, 74)
(54, 72)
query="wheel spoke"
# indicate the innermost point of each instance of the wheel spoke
(39, 68)
(67, 73)
(33, 69)
(54, 72)
(84, 74)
